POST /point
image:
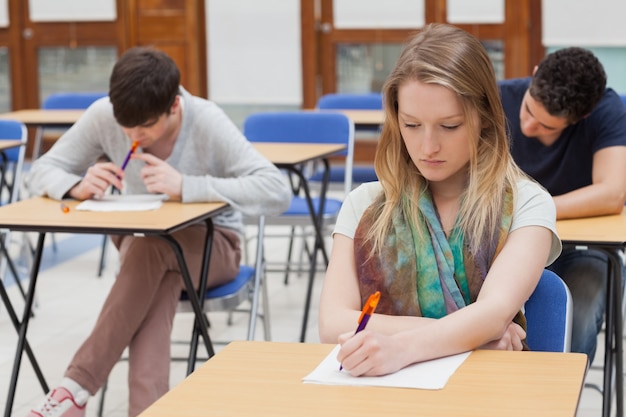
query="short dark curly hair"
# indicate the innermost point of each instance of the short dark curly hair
(569, 83)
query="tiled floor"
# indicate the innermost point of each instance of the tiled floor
(69, 296)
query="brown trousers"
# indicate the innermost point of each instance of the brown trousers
(139, 310)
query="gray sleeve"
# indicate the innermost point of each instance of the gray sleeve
(230, 169)
(64, 165)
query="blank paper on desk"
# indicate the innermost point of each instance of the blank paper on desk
(127, 202)
(432, 374)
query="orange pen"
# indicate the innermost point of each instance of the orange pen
(368, 310)
(366, 313)
(133, 148)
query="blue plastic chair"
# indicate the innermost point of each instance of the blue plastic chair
(548, 314)
(305, 127)
(12, 165)
(341, 101)
(64, 101)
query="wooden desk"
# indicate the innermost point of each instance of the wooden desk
(365, 145)
(291, 157)
(265, 379)
(44, 215)
(39, 118)
(285, 155)
(365, 118)
(608, 234)
(6, 144)
(42, 117)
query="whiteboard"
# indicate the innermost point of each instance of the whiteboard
(254, 51)
(387, 14)
(484, 11)
(4, 13)
(584, 23)
(72, 10)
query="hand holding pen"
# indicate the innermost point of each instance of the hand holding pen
(99, 177)
(366, 313)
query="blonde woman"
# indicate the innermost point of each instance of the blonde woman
(454, 235)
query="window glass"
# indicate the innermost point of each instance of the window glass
(85, 69)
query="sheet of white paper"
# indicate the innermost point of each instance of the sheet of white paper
(433, 374)
(117, 202)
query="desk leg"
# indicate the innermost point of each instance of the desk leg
(22, 342)
(196, 298)
(317, 219)
(617, 352)
(258, 274)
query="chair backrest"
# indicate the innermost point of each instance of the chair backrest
(66, 101)
(304, 127)
(549, 315)
(369, 101)
(13, 130)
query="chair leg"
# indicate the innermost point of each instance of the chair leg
(266, 310)
(289, 253)
(103, 255)
(102, 394)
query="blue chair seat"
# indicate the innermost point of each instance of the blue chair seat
(360, 174)
(228, 295)
(299, 206)
(548, 314)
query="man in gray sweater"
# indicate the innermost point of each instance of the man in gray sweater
(191, 151)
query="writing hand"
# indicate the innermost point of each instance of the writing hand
(370, 353)
(97, 180)
(160, 177)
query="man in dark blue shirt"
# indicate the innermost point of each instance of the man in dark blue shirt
(568, 132)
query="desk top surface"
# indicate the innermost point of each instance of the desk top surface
(264, 379)
(40, 117)
(365, 117)
(608, 230)
(296, 153)
(9, 144)
(43, 214)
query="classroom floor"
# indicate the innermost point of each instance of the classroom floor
(69, 296)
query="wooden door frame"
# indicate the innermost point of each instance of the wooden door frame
(29, 36)
(521, 34)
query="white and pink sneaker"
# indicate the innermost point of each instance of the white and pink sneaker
(59, 403)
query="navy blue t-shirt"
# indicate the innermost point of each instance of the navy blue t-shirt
(566, 165)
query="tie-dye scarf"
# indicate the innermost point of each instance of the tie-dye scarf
(431, 279)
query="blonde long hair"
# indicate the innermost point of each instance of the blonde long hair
(450, 57)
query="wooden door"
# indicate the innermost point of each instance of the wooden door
(520, 35)
(175, 26)
(178, 28)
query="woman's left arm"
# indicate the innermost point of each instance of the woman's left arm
(509, 283)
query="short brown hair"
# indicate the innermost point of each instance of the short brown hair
(143, 86)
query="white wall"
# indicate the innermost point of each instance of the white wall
(584, 23)
(254, 51)
(71, 10)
